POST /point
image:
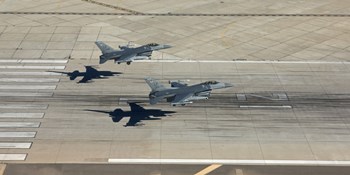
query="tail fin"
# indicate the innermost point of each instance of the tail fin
(104, 47)
(153, 84)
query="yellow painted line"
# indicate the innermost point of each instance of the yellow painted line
(2, 168)
(209, 169)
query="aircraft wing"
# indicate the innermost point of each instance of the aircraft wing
(181, 98)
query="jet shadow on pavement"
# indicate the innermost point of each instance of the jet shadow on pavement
(90, 74)
(136, 114)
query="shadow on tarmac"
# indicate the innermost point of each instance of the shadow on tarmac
(90, 74)
(136, 114)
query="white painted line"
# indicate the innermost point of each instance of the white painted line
(228, 61)
(19, 134)
(21, 115)
(15, 145)
(256, 106)
(32, 67)
(19, 124)
(30, 73)
(32, 87)
(26, 94)
(34, 61)
(13, 156)
(232, 162)
(30, 80)
(23, 106)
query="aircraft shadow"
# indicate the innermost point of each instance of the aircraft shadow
(90, 74)
(136, 114)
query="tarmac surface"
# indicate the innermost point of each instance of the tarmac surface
(288, 62)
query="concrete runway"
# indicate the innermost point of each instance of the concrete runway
(289, 63)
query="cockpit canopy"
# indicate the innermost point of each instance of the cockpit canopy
(152, 44)
(211, 82)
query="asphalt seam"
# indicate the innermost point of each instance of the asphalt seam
(135, 13)
(113, 6)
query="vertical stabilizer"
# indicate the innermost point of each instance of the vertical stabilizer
(104, 47)
(154, 84)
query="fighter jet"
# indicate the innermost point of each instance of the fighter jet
(136, 114)
(127, 54)
(180, 93)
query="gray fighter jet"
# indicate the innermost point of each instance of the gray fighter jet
(180, 93)
(127, 54)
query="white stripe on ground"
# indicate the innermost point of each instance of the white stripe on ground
(32, 67)
(30, 80)
(13, 156)
(23, 106)
(32, 87)
(19, 134)
(15, 144)
(34, 61)
(30, 73)
(256, 106)
(19, 124)
(231, 162)
(228, 61)
(21, 115)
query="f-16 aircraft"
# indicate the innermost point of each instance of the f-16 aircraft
(180, 93)
(127, 54)
(136, 114)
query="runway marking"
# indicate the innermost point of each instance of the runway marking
(29, 87)
(30, 73)
(26, 94)
(22, 145)
(19, 124)
(19, 134)
(30, 80)
(21, 115)
(256, 106)
(13, 156)
(209, 169)
(245, 62)
(233, 162)
(2, 168)
(32, 67)
(23, 106)
(34, 61)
